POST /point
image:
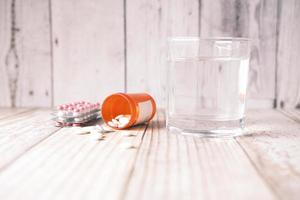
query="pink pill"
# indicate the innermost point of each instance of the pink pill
(76, 110)
(59, 107)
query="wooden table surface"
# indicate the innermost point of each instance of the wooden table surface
(40, 161)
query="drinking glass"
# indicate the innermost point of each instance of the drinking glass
(207, 82)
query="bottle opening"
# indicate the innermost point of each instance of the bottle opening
(114, 106)
(123, 110)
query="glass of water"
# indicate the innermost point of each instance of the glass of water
(207, 82)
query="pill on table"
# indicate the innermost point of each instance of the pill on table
(104, 128)
(96, 136)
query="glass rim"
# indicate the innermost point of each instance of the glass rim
(195, 38)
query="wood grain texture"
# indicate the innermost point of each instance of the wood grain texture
(88, 49)
(25, 60)
(148, 162)
(134, 164)
(92, 40)
(22, 131)
(256, 20)
(170, 166)
(274, 149)
(253, 19)
(9, 112)
(148, 24)
(74, 166)
(291, 113)
(288, 54)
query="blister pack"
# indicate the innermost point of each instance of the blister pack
(76, 113)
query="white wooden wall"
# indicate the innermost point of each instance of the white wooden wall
(55, 51)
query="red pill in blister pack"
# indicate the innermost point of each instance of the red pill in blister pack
(76, 113)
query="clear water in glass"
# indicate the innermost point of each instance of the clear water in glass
(206, 94)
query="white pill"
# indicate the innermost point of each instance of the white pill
(104, 128)
(96, 136)
(111, 124)
(124, 120)
(116, 122)
(121, 125)
(118, 117)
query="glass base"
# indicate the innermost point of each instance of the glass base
(211, 129)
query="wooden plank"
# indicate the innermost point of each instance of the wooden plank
(291, 113)
(288, 54)
(73, 166)
(4, 40)
(273, 148)
(21, 132)
(88, 49)
(8, 112)
(158, 165)
(256, 20)
(170, 166)
(25, 69)
(149, 23)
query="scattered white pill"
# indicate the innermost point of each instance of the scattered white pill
(104, 128)
(96, 135)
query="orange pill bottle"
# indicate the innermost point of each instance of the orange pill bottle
(140, 106)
